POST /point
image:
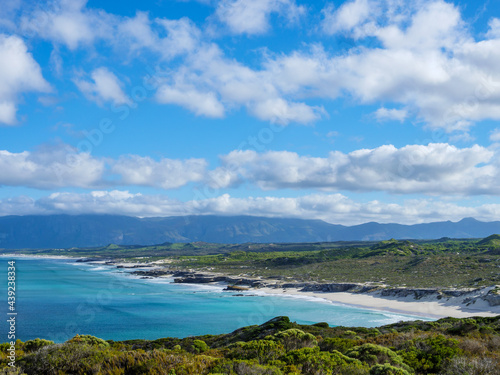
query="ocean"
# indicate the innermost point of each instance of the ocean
(59, 298)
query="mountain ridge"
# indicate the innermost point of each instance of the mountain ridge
(65, 231)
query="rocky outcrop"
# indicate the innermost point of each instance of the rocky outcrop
(331, 287)
(493, 298)
(235, 287)
(405, 292)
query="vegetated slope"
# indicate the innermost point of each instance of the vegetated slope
(64, 231)
(448, 346)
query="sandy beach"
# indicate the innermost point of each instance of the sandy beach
(426, 307)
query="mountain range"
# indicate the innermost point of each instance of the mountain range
(65, 231)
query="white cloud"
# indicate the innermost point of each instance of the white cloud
(421, 57)
(209, 83)
(19, 73)
(435, 169)
(280, 111)
(494, 31)
(252, 16)
(68, 22)
(187, 96)
(57, 166)
(50, 167)
(349, 15)
(333, 208)
(105, 87)
(166, 173)
(139, 33)
(383, 114)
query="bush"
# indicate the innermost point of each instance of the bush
(471, 366)
(89, 340)
(337, 343)
(375, 354)
(430, 354)
(295, 339)
(387, 369)
(245, 367)
(313, 361)
(34, 345)
(261, 350)
(199, 346)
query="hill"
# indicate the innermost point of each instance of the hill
(65, 231)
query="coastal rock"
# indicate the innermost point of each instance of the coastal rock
(235, 287)
(332, 287)
(409, 292)
(492, 298)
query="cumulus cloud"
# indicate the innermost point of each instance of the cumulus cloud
(50, 167)
(349, 15)
(104, 87)
(333, 208)
(57, 166)
(187, 96)
(141, 33)
(19, 73)
(252, 16)
(208, 83)
(433, 169)
(166, 173)
(421, 57)
(68, 22)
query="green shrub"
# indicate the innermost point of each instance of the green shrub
(313, 361)
(337, 343)
(199, 346)
(294, 338)
(261, 350)
(430, 354)
(89, 340)
(34, 345)
(373, 354)
(387, 369)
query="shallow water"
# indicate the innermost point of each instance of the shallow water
(58, 298)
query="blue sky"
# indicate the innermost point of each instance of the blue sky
(347, 112)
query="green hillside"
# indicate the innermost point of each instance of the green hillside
(278, 347)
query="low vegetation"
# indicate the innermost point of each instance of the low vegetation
(469, 262)
(278, 347)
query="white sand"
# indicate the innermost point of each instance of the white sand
(425, 307)
(14, 255)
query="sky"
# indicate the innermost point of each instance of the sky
(344, 111)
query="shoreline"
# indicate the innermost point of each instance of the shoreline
(431, 305)
(424, 309)
(38, 256)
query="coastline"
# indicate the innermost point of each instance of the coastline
(428, 308)
(430, 305)
(37, 256)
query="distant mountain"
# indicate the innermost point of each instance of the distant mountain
(64, 231)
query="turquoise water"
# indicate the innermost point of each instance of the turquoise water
(58, 298)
